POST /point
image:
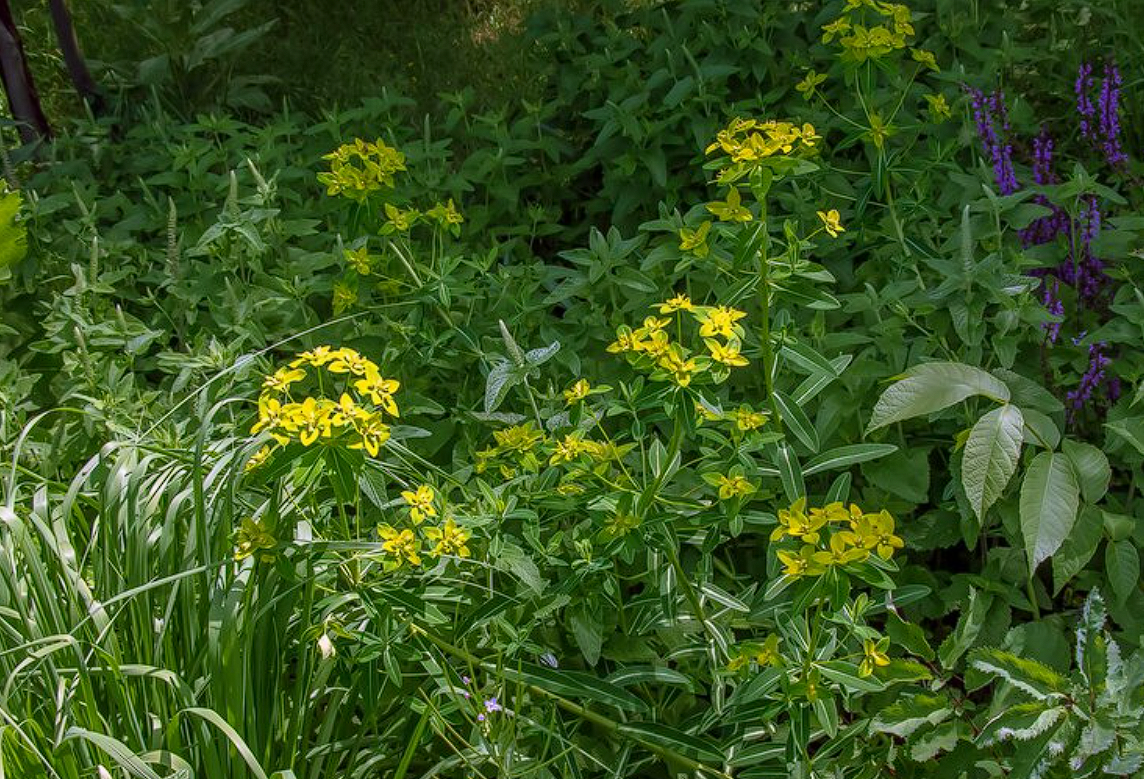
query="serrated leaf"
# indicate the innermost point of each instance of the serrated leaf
(1050, 497)
(905, 716)
(991, 454)
(1034, 678)
(932, 386)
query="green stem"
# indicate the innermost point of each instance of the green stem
(765, 313)
(613, 727)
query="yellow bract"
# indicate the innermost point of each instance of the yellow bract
(734, 487)
(420, 502)
(680, 302)
(347, 420)
(577, 392)
(873, 656)
(402, 545)
(360, 168)
(832, 222)
(833, 535)
(449, 539)
(695, 241)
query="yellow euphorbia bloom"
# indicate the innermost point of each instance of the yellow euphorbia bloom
(832, 222)
(400, 544)
(420, 502)
(449, 539)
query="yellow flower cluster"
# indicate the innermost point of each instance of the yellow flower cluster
(864, 38)
(834, 535)
(355, 419)
(761, 654)
(404, 545)
(651, 347)
(253, 538)
(360, 168)
(744, 418)
(747, 144)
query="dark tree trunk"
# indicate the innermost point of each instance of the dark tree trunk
(69, 45)
(23, 101)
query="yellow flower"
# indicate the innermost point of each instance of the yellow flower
(624, 342)
(577, 392)
(568, 450)
(272, 417)
(401, 544)
(651, 326)
(449, 539)
(832, 222)
(281, 379)
(747, 419)
(680, 302)
(879, 130)
(253, 538)
(795, 523)
(720, 321)
(318, 356)
(801, 564)
(731, 209)
(373, 432)
(420, 502)
(838, 27)
(311, 419)
(399, 221)
(873, 656)
(734, 487)
(659, 346)
(359, 260)
(703, 412)
(882, 532)
(810, 83)
(938, 108)
(258, 458)
(926, 58)
(349, 361)
(727, 354)
(445, 214)
(519, 438)
(345, 297)
(380, 391)
(768, 653)
(680, 369)
(695, 241)
(841, 551)
(359, 169)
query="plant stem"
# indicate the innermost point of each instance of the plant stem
(765, 312)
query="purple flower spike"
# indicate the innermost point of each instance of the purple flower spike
(989, 111)
(1091, 380)
(1084, 105)
(1109, 116)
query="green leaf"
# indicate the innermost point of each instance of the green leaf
(1091, 466)
(1021, 722)
(116, 750)
(842, 456)
(932, 386)
(1029, 676)
(13, 235)
(1122, 564)
(968, 628)
(1040, 430)
(626, 677)
(797, 421)
(907, 635)
(846, 674)
(1078, 548)
(1131, 430)
(587, 630)
(807, 358)
(674, 738)
(905, 716)
(991, 455)
(790, 472)
(1049, 500)
(571, 684)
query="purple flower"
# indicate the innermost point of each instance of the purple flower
(492, 705)
(1093, 376)
(1084, 105)
(1052, 301)
(989, 111)
(1109, 116)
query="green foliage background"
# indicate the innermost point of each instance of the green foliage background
(180, 248)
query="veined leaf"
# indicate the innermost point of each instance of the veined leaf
(991, 455)
(932, 386)
(842, 456)
(905, 716)
(1049, 500)
(1091, 466)
(1079, 547)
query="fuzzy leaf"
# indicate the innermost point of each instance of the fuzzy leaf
(991, 455)
(932, 386)
(1049, 500)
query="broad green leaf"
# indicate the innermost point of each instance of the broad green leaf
(968, 628)
(797, 421)
(906, 715)
(1130, 430)
(1040, 430)
(587, 631)
(1091, 466)
(1078, 548)
(932, 386)
(907, 635)
(676, 739)
(1021, 722)
(842, 456)
(991, 455)
(1050, 497)
(1028, 393)
(1122, 564)
(1033, 678)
